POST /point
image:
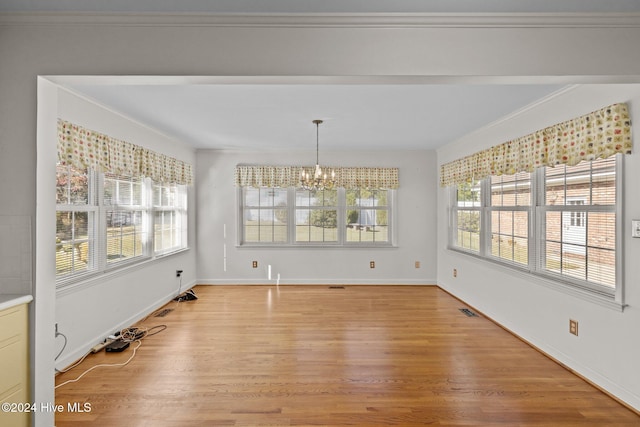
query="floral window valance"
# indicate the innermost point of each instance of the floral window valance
(289, 176)
(599, 134)
(85, 148)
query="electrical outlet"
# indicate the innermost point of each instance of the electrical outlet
(573, 327)
(455, 272)
(255, 264)
(178, 273)
(417, 264)
(372, 264)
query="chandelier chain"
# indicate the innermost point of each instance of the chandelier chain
(318, 181)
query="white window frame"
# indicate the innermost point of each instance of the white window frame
(489, 208)
(98, 264)
(613, 297)
(103, 227)
(179, 209)
(342, 209)
(455, 207)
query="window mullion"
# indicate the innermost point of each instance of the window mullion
(100, 240)
(619, 183)
(485, 214)
(291, 212)
(535, 224)
(341, 216)
(148, 218)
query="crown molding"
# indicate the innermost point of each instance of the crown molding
(366, 20)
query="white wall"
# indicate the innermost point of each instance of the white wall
(86, 45)
(415, 211)
(606, 350)
(88, 313)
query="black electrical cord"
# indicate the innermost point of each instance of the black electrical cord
(64, 346)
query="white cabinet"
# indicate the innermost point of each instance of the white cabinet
(14, 364)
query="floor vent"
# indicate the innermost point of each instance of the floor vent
(336, 287)
(164, 312)
(468, 312)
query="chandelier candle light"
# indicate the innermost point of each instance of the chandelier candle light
(319, 180)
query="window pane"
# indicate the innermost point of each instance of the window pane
(122, 191)
(603, 182)
(602, 267)
(316, 225)
(592, 182)
(583, 240)
(468, 195)
(266, 219)
(306, 198)
(379, 233)
(468, 234)
(264, 197)
(367, 225)
(72, 186)
(601, 241)
(365, 197)
(511, 190)
(509, 235)
(574, 261)
(581, 245)
(73, 241)
(125, 238)
(166, 230)
(169, 218)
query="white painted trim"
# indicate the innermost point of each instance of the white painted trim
(86, 346)
(330, 20)
(174, 80)
(346, 282)
(603, 382)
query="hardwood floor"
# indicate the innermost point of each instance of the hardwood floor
(311, 355)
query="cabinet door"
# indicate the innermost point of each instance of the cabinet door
(14, 363)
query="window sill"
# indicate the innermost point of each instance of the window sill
(317, 246)
(565, 287)
(72, 285)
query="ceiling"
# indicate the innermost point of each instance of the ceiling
(279, 116)
(361, 116)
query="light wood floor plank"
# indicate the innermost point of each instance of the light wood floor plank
(310, 355)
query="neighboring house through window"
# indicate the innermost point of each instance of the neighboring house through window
(558, 222)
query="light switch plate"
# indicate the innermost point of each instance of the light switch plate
(635, 228)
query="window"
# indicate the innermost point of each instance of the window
(317, 216)
(104, 221)
(290, 216)
(559, 222)
(579, 222)
(367, 216)
(76, 214)
(509, 212)
(265, 218)
(170, 217)
(466, 217)
(124, 202)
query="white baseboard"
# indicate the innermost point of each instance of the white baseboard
(598, 380)
(403, 282)
(68, 358)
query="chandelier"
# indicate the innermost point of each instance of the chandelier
(318, 181)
